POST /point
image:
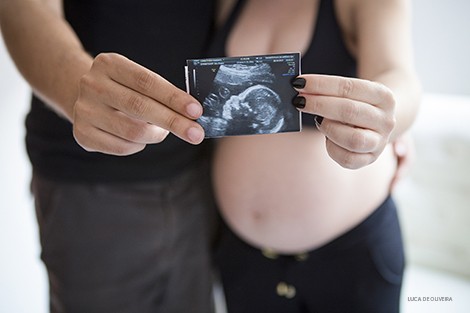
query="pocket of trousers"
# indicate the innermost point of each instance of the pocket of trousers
(389, 261)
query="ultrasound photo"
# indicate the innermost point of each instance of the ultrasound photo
(245, 95)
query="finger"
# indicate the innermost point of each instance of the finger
(345, 87)
(120, 125)
(353, 139)
(148, 110)
(400, 164)
(344, 110)
(144, 108)
(96, 140)
(346, 158)
(404, 153)
(144, 81)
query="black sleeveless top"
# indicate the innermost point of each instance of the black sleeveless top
(327, 53)
(159, 35)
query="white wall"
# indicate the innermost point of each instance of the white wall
(441, 32)
(22, 276)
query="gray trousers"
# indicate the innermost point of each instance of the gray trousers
(132, 247)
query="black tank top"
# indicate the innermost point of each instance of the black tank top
(327, 53)
(159, 35)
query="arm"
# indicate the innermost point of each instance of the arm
(361, 116)
(385, 54)
(45, 49)
(223, 10)
(116, 106)
(397, 73)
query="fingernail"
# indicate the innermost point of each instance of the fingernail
(299, 83)
(299, 102)
(194, 110)
(195, 135)
(318, 120)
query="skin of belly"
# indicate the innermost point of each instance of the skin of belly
(284, 192)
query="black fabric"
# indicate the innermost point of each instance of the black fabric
(159, 35)
(327, 53)
(359, 272)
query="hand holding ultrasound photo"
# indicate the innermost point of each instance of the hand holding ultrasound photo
(245, 95)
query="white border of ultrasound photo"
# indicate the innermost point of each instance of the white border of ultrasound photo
(246, 95)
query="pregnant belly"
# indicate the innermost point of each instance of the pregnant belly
(285, 193)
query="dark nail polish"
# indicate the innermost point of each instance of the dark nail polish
(299, 83)
(299, 102)
(318, 120)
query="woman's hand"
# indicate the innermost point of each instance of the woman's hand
(356, 116)
(122, 107)
(405, 154)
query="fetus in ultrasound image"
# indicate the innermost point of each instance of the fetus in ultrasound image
(242, 101)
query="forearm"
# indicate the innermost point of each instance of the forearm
(385, 54)
(407, 92)
(46, 51)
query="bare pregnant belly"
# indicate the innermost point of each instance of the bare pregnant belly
(285, 193)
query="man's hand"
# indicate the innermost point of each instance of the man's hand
(122, 107)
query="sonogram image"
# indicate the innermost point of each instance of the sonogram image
(245, 99)
(242, 101)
